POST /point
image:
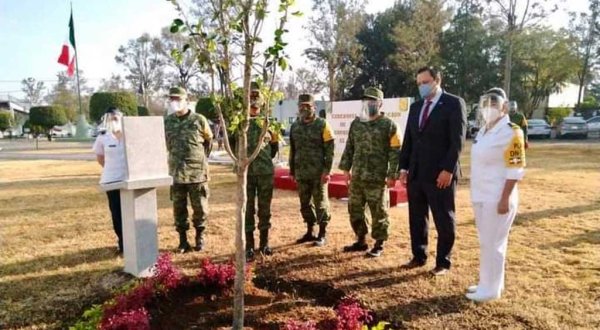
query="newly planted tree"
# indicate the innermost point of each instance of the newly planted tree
(225, 40)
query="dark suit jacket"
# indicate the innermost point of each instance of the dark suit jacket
(437, 147)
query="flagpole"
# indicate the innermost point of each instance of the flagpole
(82, 125)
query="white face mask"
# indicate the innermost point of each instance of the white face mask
(177, 106)
(490, 114)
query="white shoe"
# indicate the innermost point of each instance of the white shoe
(480, 298)
(472, 289)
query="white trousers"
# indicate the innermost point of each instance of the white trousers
(493, 229)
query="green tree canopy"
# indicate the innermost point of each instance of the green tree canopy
(47, 117)
(6, 121)
(124, 101)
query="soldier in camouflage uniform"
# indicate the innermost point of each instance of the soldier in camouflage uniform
(517, 117)
(372, 154)
(189, 138)
(311, 157)
(259, 189)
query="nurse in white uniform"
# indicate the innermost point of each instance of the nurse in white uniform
(110, 154)
(497, 165)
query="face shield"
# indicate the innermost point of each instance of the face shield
(490, 108)
(369, 109)
(112, 122)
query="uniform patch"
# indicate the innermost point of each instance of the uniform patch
(395, 141)
(514, 155)
(327, 133)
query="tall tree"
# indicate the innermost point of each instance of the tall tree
(469, 54)
(115, 83)
(64, 94)
(417, 40)
(516, 16)
(239, 20)
(184, 67)
(144, 65)
(334, 46)
(33, 90)
(308, 81)
(585, 28)
(547, 61)
(376, 64)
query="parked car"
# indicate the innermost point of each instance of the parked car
(538, 128)
(593, 124)
(57, 132)
(574, 127)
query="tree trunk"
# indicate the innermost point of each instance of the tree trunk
(508, 66)
(331, 76)
(240, 255)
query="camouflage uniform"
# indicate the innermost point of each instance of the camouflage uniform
(311, 155)
(519, 119)
(188, 140)
(372, 154)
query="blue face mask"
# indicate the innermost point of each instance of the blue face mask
(425, 90)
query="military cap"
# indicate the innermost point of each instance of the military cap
(306, 98)
(177, 91)
(373, 93)
(254, 87)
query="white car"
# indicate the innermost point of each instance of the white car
(538, 128)
(574, 127)
(593, 124)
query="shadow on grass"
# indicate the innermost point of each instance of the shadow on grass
(50, 263)
(55, 300)
(413, 310)
(526, 217)
(590, 237)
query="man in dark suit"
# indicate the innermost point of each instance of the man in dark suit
(429, 167)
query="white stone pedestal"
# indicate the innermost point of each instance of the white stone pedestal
(147, 168)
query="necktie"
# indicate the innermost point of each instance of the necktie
(424, 115)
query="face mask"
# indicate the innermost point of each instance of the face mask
(306, 114)
(117, 126)
(174, 106)
(490, 114)
(373, 109)
(425, 90)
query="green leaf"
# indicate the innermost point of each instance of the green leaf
(298, 14)
(185, 48)
(282, 63)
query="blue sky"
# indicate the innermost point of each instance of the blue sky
(33, 31)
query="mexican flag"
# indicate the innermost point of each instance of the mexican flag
(67, 54)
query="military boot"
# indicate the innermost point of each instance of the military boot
(377, 250)
(359, 245)
(199, 239)
(184, 246)
(263, 245)
(321, 240)
(309, 236)
(249, 246)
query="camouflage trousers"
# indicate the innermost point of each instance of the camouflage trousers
(259, 190)
(376, 196)
(198, 195)
(314, 201)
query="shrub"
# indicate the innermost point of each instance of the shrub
(6, 121)
(216, 277)
(137, 319)
(205, 107)
(47, 117)
(556, 115)
(143, 111)
(351, 315)
(125, 101)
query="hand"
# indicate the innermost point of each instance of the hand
(403, 178)
(348, 176)
(503, 206)
(526, 144)
(324, 178)
(444, 179)
(391, 183)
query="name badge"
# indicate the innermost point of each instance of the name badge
(112, 145)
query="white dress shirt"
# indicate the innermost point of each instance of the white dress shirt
(113, 150)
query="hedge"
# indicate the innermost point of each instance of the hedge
(124, 101)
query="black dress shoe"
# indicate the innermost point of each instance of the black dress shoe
(356, 247)
(439, 271)
(414, 263)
